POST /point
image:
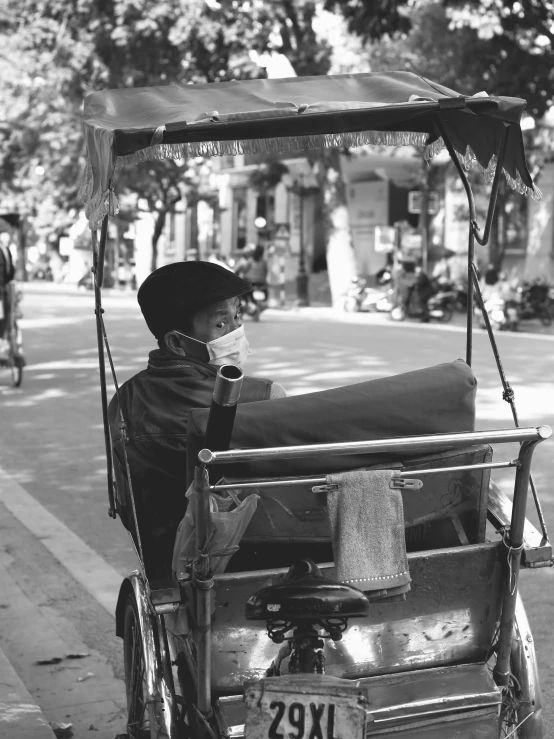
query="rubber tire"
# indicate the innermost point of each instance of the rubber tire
(132, 652)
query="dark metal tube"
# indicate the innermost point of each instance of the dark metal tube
(300, 481)
(228, 384)
(203, 584)
(470, 291)
(202, 516)
(99, 272)
(102, 368)
(514, 542)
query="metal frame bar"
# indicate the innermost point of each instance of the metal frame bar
(473, 226)
(514, 544)
(98, 250)
(397, 444)
(299, 481)
(203, 583)
(473, 287)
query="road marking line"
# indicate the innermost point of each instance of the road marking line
(98, 577)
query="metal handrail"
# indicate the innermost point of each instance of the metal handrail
(397, 444)
(300, 481)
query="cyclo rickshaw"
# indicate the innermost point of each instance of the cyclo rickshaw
(275, 646)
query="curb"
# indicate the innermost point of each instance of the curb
(20, 717)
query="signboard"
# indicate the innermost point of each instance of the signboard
(385, 238)
(368, 208)
(414, 202)
(282, 232)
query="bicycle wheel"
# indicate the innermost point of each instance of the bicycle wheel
(139, 712)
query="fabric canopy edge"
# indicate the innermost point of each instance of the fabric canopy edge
(100, 201)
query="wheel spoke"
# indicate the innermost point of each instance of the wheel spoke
(137, 704)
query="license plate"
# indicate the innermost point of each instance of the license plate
(304, 707)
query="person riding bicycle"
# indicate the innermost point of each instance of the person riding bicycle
(7, 274)
(192, 309)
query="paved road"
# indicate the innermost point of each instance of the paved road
(51, 445)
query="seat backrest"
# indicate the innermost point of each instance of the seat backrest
(450, 509)
(432, 400)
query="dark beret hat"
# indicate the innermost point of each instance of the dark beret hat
(177, 291)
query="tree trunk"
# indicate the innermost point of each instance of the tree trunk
(497, 240)
(424, 216)
(194, 245)
(341, 259)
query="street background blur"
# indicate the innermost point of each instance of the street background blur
(340, 231)
(393, 202)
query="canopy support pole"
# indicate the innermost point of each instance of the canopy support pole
(98, 250)
(98, 253)
(513, 541)
(474, 287)
(203, 582)
(473, 226)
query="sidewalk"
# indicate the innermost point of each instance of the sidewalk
(44, 287)
(20, 717)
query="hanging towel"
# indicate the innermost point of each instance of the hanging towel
(367, 530)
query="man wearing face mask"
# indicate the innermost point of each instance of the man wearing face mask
(193, 310)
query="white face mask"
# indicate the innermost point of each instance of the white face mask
(232, 348)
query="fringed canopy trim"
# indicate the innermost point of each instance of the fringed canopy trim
(101, 203)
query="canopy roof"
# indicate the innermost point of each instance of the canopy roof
(250, 116)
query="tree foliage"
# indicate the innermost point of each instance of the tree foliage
(511, 39)
(54, 52)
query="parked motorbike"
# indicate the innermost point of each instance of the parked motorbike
(439, 307)
(253, 304)
(537, 301)
(364, 299)
(460, 297)
(504, 316)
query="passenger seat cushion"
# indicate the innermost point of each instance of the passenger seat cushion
(433, 400)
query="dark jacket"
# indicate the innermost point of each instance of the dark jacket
(7, 267)
(155, 405)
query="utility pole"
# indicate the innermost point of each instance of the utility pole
(302, 294)
(424, 215)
